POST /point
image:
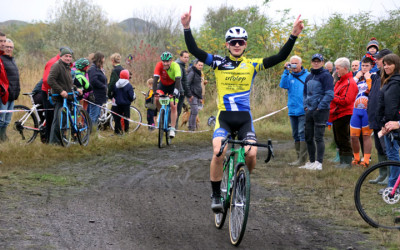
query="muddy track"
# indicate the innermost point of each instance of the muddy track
(135, 200)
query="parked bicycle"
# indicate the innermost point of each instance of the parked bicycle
(377, 208)
(74, 122)
(106, 118)
(26, 122)
(235, 187)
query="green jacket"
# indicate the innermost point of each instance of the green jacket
(60, 78)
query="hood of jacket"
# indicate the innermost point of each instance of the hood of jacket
(121, 83)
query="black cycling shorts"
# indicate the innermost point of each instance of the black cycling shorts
(235, 121)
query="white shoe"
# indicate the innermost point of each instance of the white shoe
(316, 166)
(307, 165)
(172, 132)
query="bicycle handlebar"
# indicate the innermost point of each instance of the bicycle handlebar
(226, 140)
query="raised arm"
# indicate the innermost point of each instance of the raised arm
(189, 40)
(284, 52)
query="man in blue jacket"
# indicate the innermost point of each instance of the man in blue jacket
(293, 79)
(317, 95)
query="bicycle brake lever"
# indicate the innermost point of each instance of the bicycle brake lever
(270, 151)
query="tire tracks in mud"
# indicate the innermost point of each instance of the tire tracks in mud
(154, 198)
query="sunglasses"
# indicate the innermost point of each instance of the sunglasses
(234, 42)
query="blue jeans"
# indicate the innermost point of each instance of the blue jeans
(5, 118)
(298, 126)
(94, 113)
(392, 153)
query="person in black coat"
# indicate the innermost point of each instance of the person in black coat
(389, 108)
(194, 92)
(14, 89)
(98, 80)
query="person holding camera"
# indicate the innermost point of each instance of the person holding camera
(293, 79)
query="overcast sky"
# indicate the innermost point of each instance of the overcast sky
(119, 10)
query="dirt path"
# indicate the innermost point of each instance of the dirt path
(128, 201)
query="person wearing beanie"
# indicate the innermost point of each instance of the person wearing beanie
(373, 50)
(124, 96)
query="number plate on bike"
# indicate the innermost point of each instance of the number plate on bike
(164, 100)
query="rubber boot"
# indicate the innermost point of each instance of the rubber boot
(297, 147)
(303, 155)
(345, 161)
(337, 157)
(382, 171)
(385, 182)
(3, 136)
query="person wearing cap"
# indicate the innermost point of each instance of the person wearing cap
(317, 95)
(124, 96)
(234, 76)
(14, 88)
(47, 105)
(373, 50)
(293, 79)
(61, 83)
(372, 111)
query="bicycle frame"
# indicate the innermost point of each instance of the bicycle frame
(35, 112)
(73, 118)
(164, 101)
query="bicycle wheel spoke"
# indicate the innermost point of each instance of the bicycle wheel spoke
(136, 116)
(83, 126)
(23, 127)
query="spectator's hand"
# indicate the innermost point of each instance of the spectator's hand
(359, 74)
(64, 94)
(286, 64)
(80, 91)
(298, 26)
(392, 125)
(185, 19)
(191, 99)
(201, 101)
(367, 75)
(205, 82)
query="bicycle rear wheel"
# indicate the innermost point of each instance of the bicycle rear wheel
(377, 210)
(65, 127)
(83, 126)
(25, 126)
(219, 218)
(240, 203)
(161, 128)
(136, 116)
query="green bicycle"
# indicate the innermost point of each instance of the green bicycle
(235, 187)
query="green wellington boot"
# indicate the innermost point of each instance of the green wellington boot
(382, 171)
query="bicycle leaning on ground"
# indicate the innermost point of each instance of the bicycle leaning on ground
(379, 210)
(74, 121)
(106, 117)
(26, 122)
(235, 187)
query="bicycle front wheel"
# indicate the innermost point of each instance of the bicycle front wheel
(65, 127)
(136, 116)
(240, 203)
(161, 128)
(219, 218)
(378, 210)
(83, 126)
(25, 126)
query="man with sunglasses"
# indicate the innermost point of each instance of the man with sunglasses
(169, 75)
(234, 78)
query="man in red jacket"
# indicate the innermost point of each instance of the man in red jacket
(3, 74)
(341, 109)
(4, 84)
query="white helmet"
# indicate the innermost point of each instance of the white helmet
(236, 33)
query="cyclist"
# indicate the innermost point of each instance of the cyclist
(234, 78)
(169, 74)
(80, 81)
